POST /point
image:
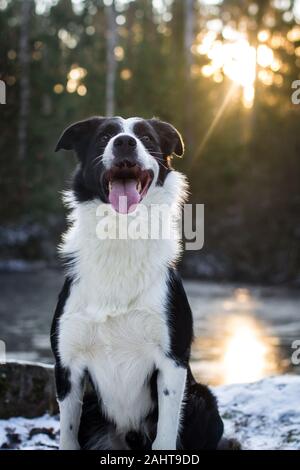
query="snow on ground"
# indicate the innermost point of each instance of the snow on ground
(29, 434)
(264, 414)
(261, 415)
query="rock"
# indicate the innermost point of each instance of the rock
(26, 389)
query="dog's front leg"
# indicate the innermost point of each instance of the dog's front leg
(171, 381)
(70, 392)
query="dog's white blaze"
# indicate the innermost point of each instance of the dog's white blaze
(114, 322)
(144, 157)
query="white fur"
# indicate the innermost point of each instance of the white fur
(116, 276)
(114, 320)
(171, 380)
(70, 412)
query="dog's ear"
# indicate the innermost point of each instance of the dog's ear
(77, 136)
(170, 139)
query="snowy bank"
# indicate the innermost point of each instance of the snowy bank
(261, 415)
(264, 414)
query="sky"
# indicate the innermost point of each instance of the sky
(43, 5)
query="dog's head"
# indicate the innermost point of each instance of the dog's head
(121, 157)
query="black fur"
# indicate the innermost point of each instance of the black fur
(62, 374)
(202, 427)
(180, 320)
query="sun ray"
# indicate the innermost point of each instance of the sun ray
(215, 122)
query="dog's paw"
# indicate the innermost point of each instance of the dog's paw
(69, 445)
(159, 444)
(229, 444)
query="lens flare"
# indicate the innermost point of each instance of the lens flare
(265, 55)
(236, 60)
(232, 55)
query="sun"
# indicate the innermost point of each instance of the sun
(235, 58)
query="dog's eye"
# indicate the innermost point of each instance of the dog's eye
(104, 139)
(146, 138)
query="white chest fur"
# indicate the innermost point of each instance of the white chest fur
(120, 355)
(114, 321)
(114, 325)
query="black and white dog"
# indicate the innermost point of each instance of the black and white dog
(123, 321)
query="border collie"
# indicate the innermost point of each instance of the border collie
(123, 323)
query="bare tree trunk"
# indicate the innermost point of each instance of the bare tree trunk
(24, 62)
(111, 64)
(188, 42)
(250, 124)
(189, 34)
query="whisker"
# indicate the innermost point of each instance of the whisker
(164, 166)
(98, 159)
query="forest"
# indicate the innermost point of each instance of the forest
(223, 72)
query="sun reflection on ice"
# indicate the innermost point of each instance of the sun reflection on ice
(245, 352)
(237, 347)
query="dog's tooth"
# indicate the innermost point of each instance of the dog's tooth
(139, 186)
(109, 186)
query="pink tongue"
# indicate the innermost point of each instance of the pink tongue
(124, 196)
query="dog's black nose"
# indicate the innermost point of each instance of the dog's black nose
(125, 151)
(125, 143)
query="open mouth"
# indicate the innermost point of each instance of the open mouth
(127, 186)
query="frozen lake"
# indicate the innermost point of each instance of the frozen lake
(242, 333)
